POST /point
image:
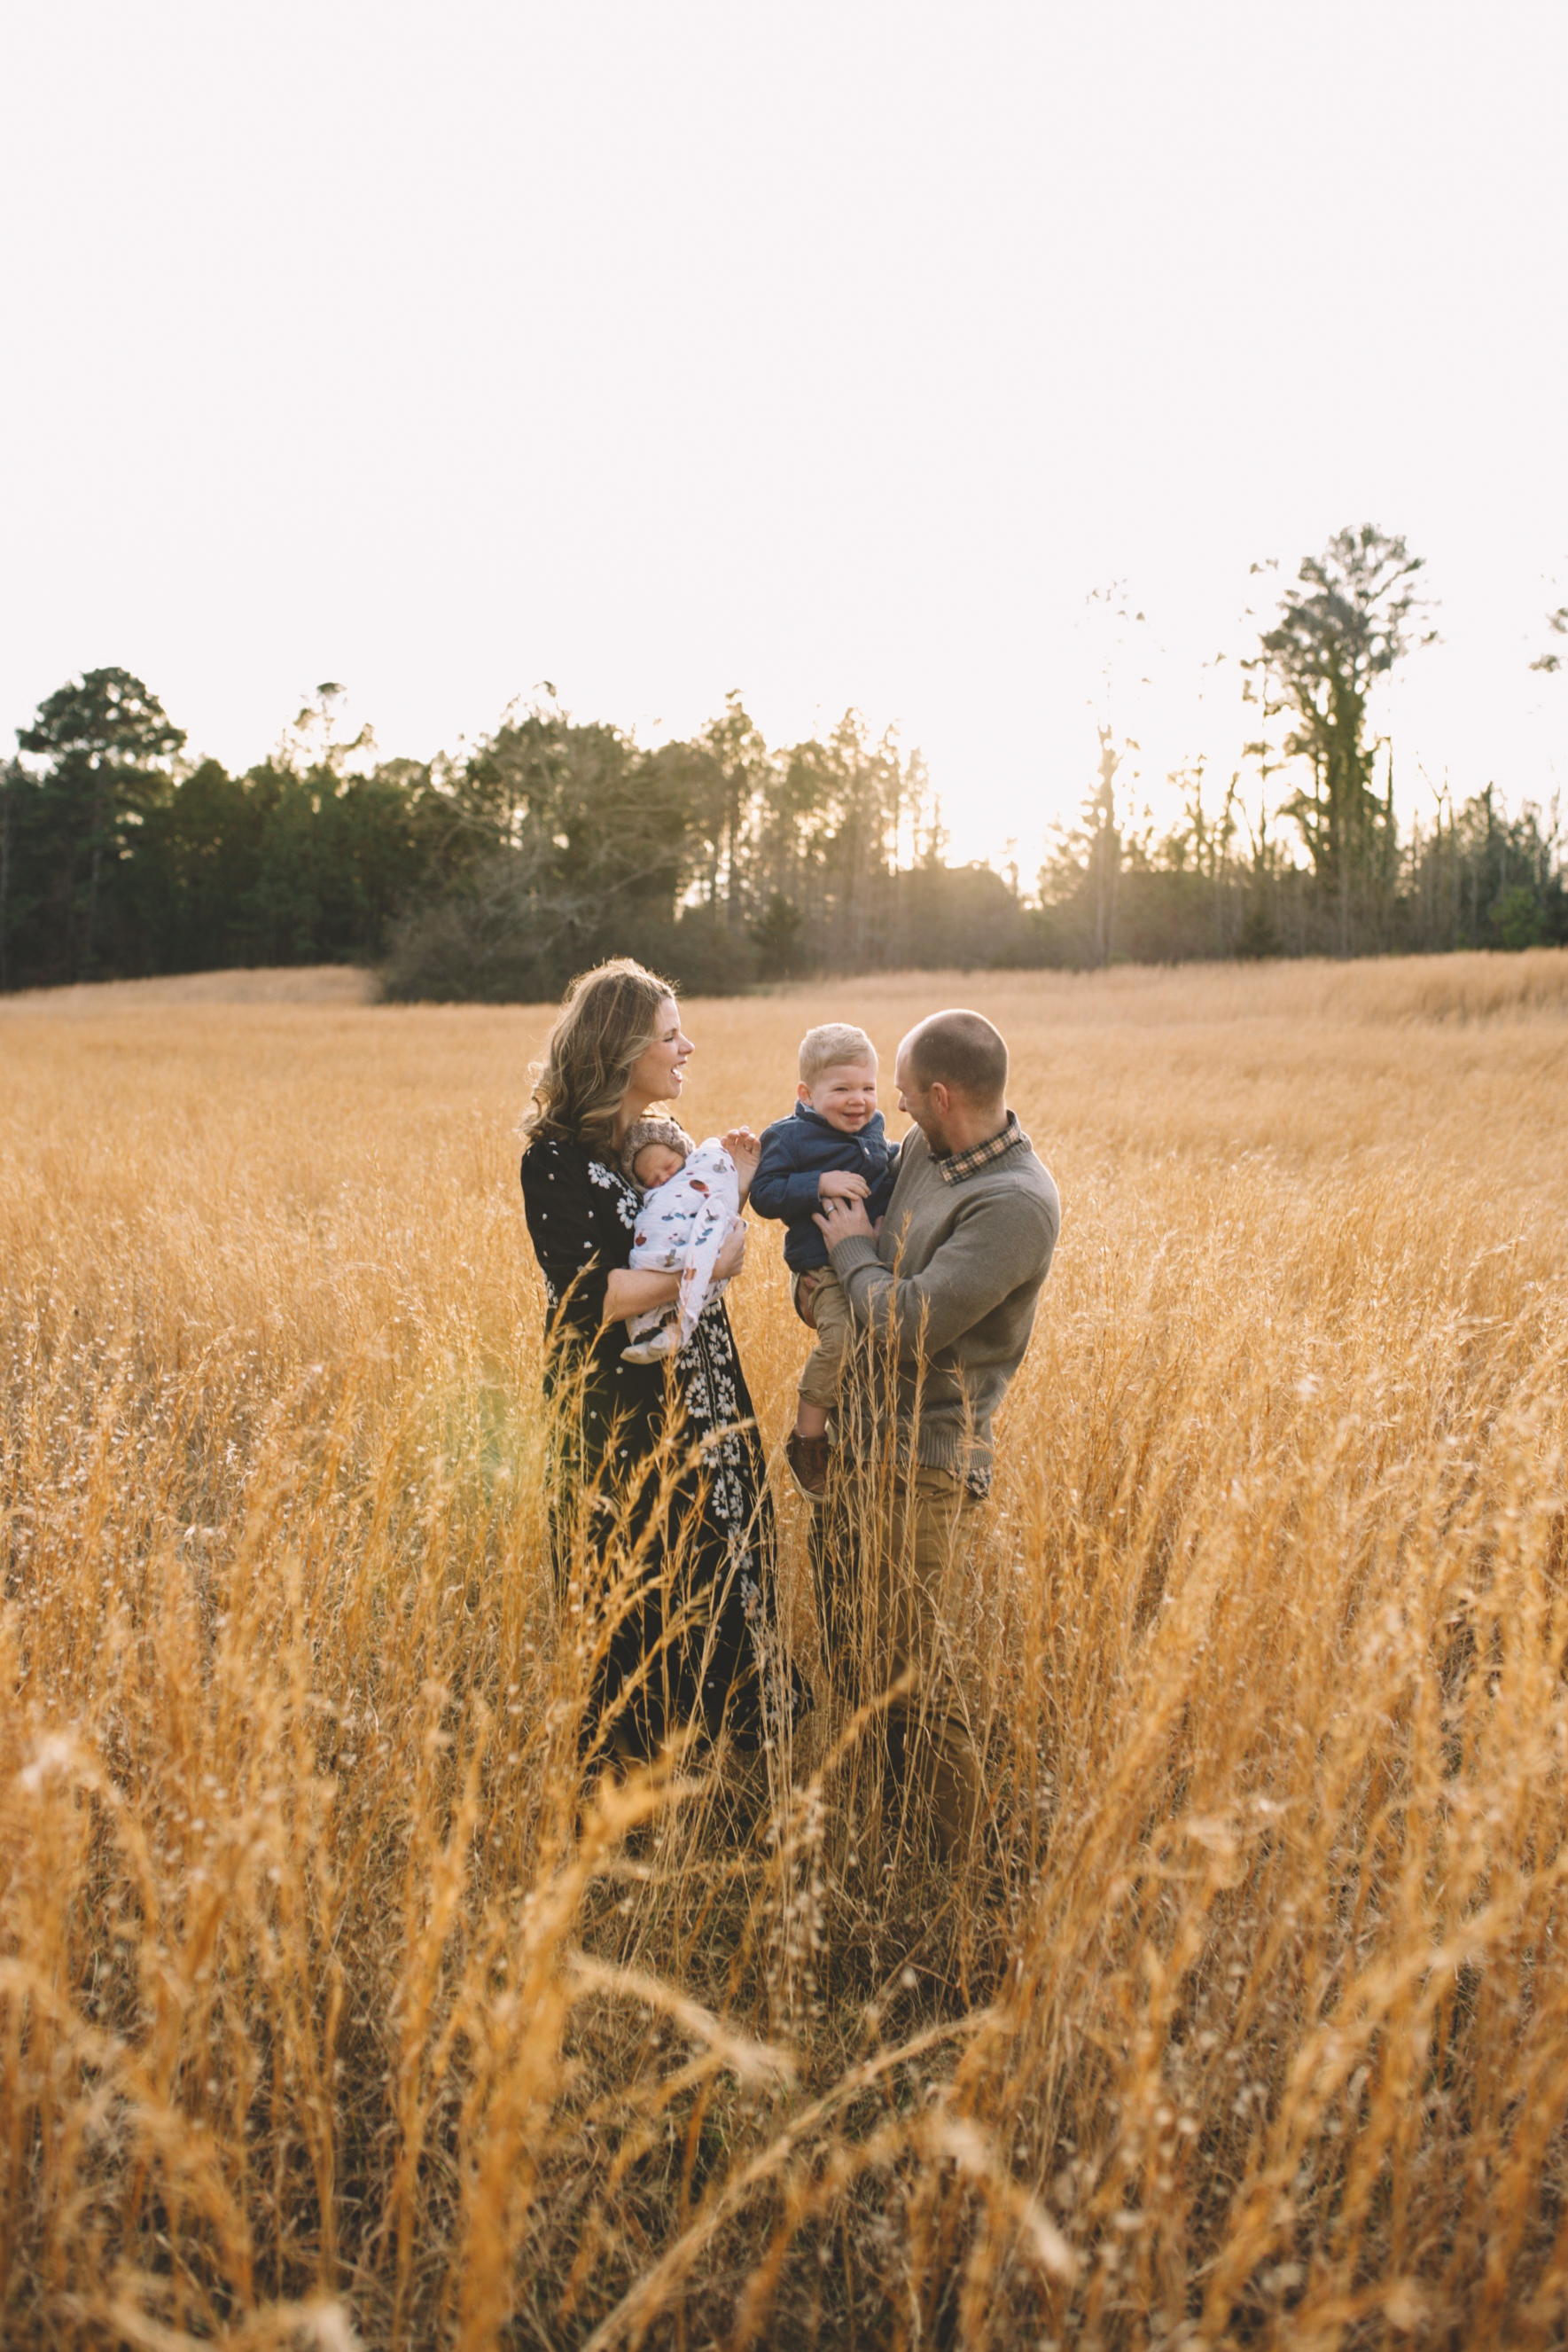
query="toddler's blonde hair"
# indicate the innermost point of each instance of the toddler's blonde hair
(836, 1041)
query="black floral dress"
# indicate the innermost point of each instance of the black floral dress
(716, 1519)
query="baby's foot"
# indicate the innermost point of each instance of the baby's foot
(649, 1350)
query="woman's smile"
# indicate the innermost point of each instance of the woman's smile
(659, 1074)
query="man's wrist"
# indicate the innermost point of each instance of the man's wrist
(852, 1250)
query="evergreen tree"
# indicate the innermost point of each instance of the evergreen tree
(104, 746)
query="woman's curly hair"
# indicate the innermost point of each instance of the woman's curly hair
(608, 1020)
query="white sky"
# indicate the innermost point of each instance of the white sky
(833, 352)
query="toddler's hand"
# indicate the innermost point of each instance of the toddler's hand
(840, 1184)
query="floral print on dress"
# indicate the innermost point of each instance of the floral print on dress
(625, 1190)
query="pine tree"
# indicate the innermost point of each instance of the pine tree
(106, 747)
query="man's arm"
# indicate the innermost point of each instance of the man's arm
(999, 1242)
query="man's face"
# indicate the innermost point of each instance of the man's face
(844, 1094)
(915, 1102)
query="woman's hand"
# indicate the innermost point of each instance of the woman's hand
(746, 1149)
(732, 1252)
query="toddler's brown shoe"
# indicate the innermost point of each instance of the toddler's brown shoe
(808, 1459)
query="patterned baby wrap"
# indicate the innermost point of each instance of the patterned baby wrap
(684, 1224)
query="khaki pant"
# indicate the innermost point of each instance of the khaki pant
(889, 1584)
(833, 1318)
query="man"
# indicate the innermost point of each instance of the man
(949, 1285)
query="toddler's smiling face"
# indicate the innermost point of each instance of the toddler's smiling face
(844, 1094)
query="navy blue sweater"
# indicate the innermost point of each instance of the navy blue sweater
(795, 1152)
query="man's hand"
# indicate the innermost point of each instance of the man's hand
(746, 1149)
(839, 1218)
(842, 1184)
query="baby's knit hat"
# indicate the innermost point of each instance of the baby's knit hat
(653, 1130)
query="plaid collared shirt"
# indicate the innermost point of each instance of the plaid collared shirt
(954, 1166)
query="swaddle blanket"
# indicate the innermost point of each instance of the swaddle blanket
(683, 1224)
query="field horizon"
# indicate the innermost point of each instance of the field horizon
(1481, 983)
(333, 2007)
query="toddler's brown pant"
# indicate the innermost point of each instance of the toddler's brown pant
(834, 1319)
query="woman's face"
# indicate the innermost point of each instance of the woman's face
(658, 1073)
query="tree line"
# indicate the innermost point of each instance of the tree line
(498, 874)
(1343, 876)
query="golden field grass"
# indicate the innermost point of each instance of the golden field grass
(323, 2014)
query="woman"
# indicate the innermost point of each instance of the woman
(699, 1544)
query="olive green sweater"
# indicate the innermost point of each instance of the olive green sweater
(953, 1277)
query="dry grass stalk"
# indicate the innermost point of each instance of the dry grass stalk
(335, 1997)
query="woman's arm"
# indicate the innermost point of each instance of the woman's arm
(579, 1235)
(633, 1290)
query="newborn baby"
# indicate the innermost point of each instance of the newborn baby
(691, 1202)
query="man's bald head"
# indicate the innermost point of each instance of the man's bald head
(961, 1051)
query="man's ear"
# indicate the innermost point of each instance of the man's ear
(939, 1097)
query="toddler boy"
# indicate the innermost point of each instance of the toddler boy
(833, 1142)
(691, 1201)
